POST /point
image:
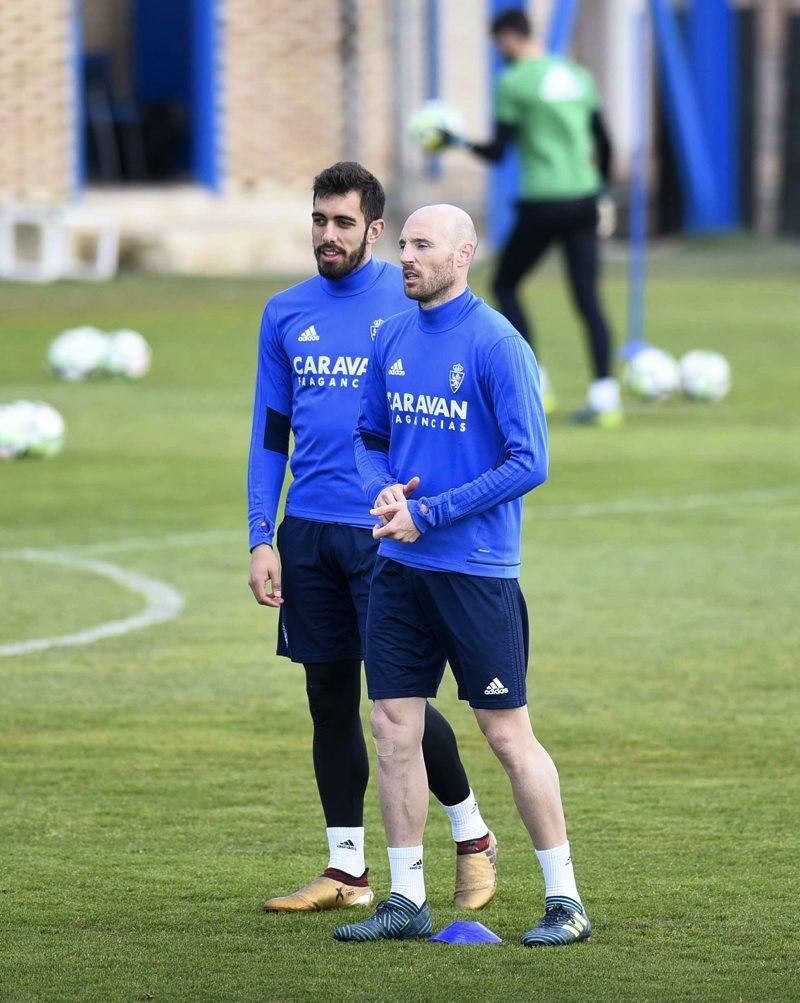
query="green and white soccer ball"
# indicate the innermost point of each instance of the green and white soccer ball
(30, 428)
(705, 376)
(127, 354)
(429, 119)
(77, 353)
(652, 374)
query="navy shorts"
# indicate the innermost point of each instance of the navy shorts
(418, 620)
(326, 569)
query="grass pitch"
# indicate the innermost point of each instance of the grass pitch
(157, 786)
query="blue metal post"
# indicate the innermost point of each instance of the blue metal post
(433, 82)
(205, 83)
(684, 121)
(637, 238)
(712, 49)
(504, 176)
(562, 25)
(78, 168)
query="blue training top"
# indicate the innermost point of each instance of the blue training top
(452, 395)
(313, 352)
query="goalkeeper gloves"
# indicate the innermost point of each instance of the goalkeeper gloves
(441, 139)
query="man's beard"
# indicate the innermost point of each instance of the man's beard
(342, 266)
(435, 285)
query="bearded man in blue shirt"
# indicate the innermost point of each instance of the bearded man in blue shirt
(451, 400)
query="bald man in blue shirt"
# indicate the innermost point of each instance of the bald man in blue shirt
(451, 400)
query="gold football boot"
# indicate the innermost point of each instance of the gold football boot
(329, 891)
(476, 876)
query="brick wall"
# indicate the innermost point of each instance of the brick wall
(281, 97)
(36, 100)
(284, 83)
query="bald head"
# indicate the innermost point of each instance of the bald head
(446, 222)
(437, 246)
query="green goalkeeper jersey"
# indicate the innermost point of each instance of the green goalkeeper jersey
(550, 102)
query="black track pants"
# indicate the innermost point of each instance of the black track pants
(573, 224)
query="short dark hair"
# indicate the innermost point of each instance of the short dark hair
(348, 176)
(512, 20)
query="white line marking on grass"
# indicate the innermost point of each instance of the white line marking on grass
(146, 543)
(648, 506)
(156, 543)
(162, 602)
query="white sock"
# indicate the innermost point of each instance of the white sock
(604, 395)
(465, 819)
(408, 878)
(559, 876)
(346, 849)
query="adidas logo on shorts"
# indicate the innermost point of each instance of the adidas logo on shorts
(495, 688)
(396, 368)
(310, 334)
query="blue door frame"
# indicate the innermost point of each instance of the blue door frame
(206, 155)
(206, 148)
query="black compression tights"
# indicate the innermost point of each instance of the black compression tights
(341, 764)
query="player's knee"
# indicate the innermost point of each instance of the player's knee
(383, 733)
(506, 738)
(380, 722)
(331, 708)
(502, 744)
(392, 729)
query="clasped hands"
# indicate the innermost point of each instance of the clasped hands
(391, 508)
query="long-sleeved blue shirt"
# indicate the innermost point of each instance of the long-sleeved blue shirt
(452, 396)
(313, 352)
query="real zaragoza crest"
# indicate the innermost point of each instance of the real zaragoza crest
(373, 327)
(456, 377)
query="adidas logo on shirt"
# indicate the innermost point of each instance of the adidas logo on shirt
(396, 368)
(495, 688)
(347, 844)
(310, 334)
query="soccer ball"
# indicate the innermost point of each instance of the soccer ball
(127, 354)
(30, 428)
(77, 353)
(425, 124)
(652, 374)
(705, 376)
(47, 430)
(16, 429)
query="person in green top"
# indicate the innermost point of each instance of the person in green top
(547, 107)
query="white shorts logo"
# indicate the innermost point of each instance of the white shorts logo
(495, 688)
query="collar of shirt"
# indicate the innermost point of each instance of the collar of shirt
(447, 315)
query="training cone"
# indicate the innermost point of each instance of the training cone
(466, 931)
